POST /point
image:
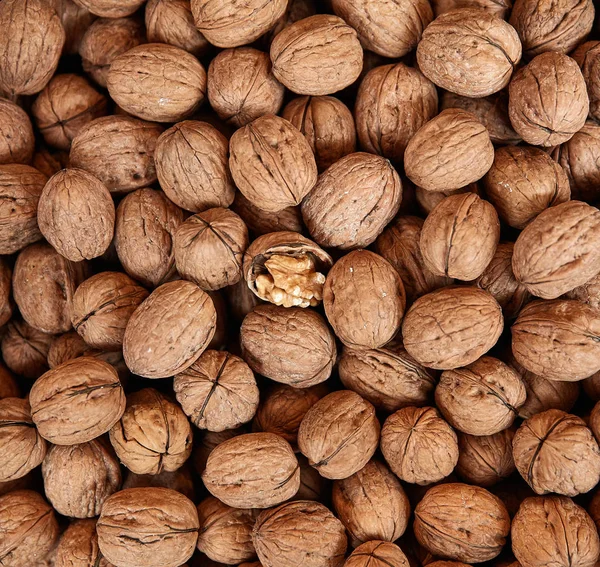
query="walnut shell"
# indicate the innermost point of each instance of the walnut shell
(25, 349)
(262, 222)
(156, 527)
(318, 55)
(255, 470)
(78, 546)
(586, 56)
(588, 293)
(17, 141)
(378, 554)
(499, 8)
(111, 8)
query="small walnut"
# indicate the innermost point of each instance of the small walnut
(25, 349)
(17, 141)
(154, 527)
(462, 522)
(299, 533)
(548, 100)
(180, 480)
(111, 8)
(262, 222)
(499, 8)
(255, 470)
(318, 55)
(587, 58)
(78, 546)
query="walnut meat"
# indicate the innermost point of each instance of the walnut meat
(111, 8)
(586, 56)
(17, 141)
(25, 349)
(378, 554)
(78, 546)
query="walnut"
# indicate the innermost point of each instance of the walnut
(30, 46)
(318, 55)
(450, 151)
(352, 201)
(155, 527)
(586, 56)
(462, 522)
(218, 391)
(262, 222)
(180, 480)
(17, 141)
(78, 546)
(8, 385)
(146, 222)
(548, 101)
(67, 347)
(289, 345)
(499, 8)
(25, 349)
(371, 504)
(553, 530)
(22, 447)
(255, 470)
(28, 528)
(452, 327)
(299, 533)
(75, 20)
(418, 445)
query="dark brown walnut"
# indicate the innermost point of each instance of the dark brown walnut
(377, 554)
(558, 27)
(482, 398)
(418, 445)
(429, 200)
(318, 55)
(459, 237)
(111, 8)
(225, 533)
(299, 533)
(105, 40)
(271, 163)
(452, 327)
(371, 504)
(586, 56)
(157, 527)
(499, 8)
(588, 293)
(339, 434)
(353, 201)
(169, 331)
(180, 480)
(255, 470)
(289, 345)
(28, 528)
(20, 187)
(77, 401)
(17, 141)
(261, 222)
(22, 447)
(591, 386)
(25, 349)
(548, 101)
(30, 47)
(553, 530)
(75, 20)
(146, 222)
(450, 151)
(375, 319)
(221, 336)
(218, 391)
(8, 385)
(192, 166)
(6, 302)
(559, 250)
(78, 546)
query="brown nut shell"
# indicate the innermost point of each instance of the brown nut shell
(17, 142)
(499, 8)
(78, 546)
(586, 56)
(25, 349)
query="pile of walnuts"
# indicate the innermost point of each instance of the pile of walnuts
(299, 283)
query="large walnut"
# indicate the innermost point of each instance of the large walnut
(25, 349)
(17, 141)
(587, 57)
(78, 546)
(111, 8)
(500, 8)
(262, 222)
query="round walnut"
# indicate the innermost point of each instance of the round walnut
(375, 319)
(587, 58)
(450, 151)
(352, 201)
(377, 554)
(482, 398)
(299, 533)
(319, 55)
(452, 327)
(371, 504)
(155, 527)
(289, 345)
(553, 530)
(111, 8)
(25, 349)
(262, 222)
(78, 546)
(17, 141)
(255, 470)
(30, 46)
(548, 100)
(218, 392)
(499, 8)
(339, 434)
(418, 445)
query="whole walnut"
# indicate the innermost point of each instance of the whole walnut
(482, 398)
(180, 480)
(146, 222)
(289, 345)
(548, 100)
(28, 528)
(22, 447)
(553, 530)
(78, 546)
(63, 407)
(586, 56)
(25, 349)
(352, 202)
(318, 55)
(299, 533)
(499, 8)
(559, 26)
(262, 222)
(459, 237)
(255, 470)
(105, 40)
(371, 504)
(339, 434)
(17, 140)
(30, 46)
(21, 187)
(452, 327)
(225, 533)
(242, 87)
(155, 527)
(218, 392)
(418, 445)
